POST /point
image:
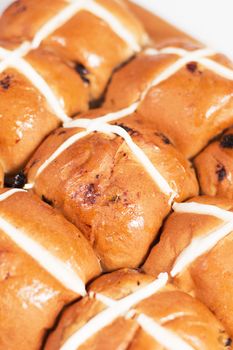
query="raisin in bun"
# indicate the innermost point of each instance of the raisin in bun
(195, 247)
(89, 37)
(185, 92)
(45, 263)
(130, 310)
(101, 184)
(214, 167)
(61, 51)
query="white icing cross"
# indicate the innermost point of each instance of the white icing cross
(100, 124)
(10, 193)
(112, 129)
(57, 268)
(201, 244)
(167, 338)
(67, 277)
(14, 59)
(97, 10)
(203, 209)
(36, 79)
(123, 307)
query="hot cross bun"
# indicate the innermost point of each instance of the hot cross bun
(195, 248)
(45, 263)
(115, 185)
(129, 310)
(112, 125)
(55, 60)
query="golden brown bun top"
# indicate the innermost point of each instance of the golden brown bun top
(51, 230)
(195, 324)
(85, 38)
(101, 186)
(25, 120)
(77, 59)
(31, 294)
(195, 103)
(179, 229)
(97, 183)
(24, 18)
(209, 275)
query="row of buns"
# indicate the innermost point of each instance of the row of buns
(112, 134)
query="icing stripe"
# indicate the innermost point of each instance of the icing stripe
(54, 266)
(202, 244)
(8, 56)
(136, 150)
(10, 193)
(200, 56)
(199, 53)
(70, 11)
(167, 338)
(150, 51)
(91, 6)
(59, 151)
(57, 21)
(221, 104)
(203, 209)
(141, 157)
(36, 79)
(109, 129)
(119, 28)
(175, 67)
(174, 316)
(199, 246)
(103, 299)
(122, 307)
(131, 313)
(108, 315)
(99, 124)
(217, 68)
(158, 332)
(110, 117)
(14, 58)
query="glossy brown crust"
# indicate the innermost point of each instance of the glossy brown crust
(196, 325)
(63, 79)
(215, 167)
(76, 60)
(25, 120)
(99, 186)
(1, 176)
(81, 39)
(210, 276)
(30, 297)
(193, 104)
(16, 27)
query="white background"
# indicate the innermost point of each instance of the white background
(210, 21)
